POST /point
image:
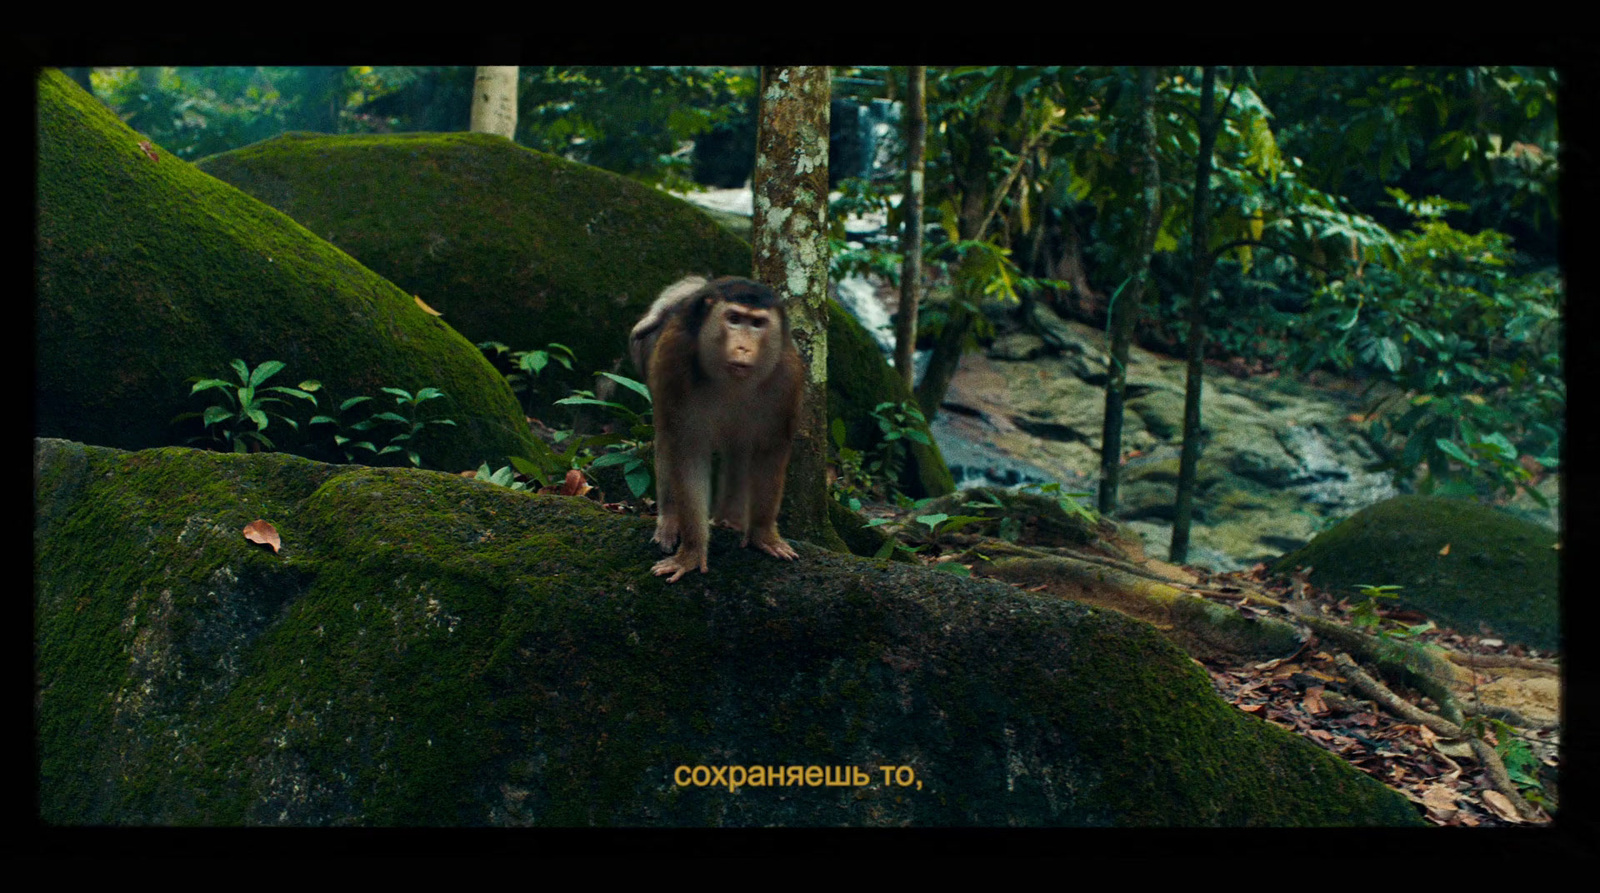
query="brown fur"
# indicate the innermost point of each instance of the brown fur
(726, 379)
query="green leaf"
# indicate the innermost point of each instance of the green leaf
(265, 371)
(242, 369)
(207, 384)
(609, 459)
(257, 416)
(638, 479)
(215, 414)
(637, 387)
(294, 392)
(1449, 448)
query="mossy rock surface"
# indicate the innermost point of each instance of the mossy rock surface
(511, 245)
(859, 378)
(1498, 569)
(430, 650)
(150, 273)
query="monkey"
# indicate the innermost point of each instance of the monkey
(725, 378)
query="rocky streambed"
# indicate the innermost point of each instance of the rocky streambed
(1284, 458)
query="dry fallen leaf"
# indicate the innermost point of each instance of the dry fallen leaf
(1313, 700)
(148, 149)
(1441, 801)
(575, 485)
(1445, 550)
(1501, 804)
(259, 531)
(425, 308)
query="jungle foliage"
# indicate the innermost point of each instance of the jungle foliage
(1322, 256)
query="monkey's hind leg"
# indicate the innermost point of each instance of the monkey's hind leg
(666, 535)
(767, 469)
(733, 491)
(689, 483)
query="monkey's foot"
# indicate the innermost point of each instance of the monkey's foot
(774, 545)
(666, 536)
(678, 565)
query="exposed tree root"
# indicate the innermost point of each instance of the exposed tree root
(1486, 755)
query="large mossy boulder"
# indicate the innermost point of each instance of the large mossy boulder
(1459, 562)
(427, 649)
(511, 245)
(527, 248)
(150, 273)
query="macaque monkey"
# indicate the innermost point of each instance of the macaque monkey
(726, 379)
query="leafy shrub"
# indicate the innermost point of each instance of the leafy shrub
(1472, 337)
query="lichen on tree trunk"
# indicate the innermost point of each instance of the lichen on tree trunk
(791, 254)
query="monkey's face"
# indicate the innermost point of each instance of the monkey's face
(744, 342)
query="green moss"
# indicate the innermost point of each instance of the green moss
(858, 380)
(428, 650)
(1498, 570)
(149, 273)
(509, 244)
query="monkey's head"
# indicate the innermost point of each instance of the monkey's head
(742, 328)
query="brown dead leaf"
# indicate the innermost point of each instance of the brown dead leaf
(148, 149)
(1501, 804)
(1313, 701)
(425, 308)
(259, 531)
(1440, 801)
(575, 485)
(1445, 550)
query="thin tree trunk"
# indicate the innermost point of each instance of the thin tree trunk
(789, 229)
(971, 219)
(494, 101)
(1201, 230)
(905, 324)
(945, 358)
(1125, 315)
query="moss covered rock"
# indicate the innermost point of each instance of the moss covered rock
(151, 273)
(859, 378)
(431, 650)
(1498, 570)
(511, 245)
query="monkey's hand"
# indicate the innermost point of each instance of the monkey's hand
(679, 564)
(771, 543)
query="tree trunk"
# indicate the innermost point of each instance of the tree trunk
(1125, 315)
(944, 359)
(972, 178)
(1201, 230)
(790, 235)
(905, 324)
(494, 101)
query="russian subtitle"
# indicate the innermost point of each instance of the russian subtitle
(735, 777)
